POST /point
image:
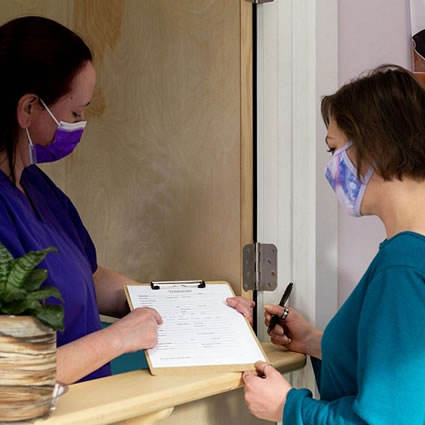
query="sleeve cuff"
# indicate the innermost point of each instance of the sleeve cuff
(292, 413)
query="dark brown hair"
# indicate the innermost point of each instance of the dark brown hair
(383, 114)
(40, 56)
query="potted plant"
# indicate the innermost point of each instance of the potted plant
(28, 326)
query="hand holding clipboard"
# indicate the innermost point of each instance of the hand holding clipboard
(200, 332)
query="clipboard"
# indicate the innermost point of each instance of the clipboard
(235, 342)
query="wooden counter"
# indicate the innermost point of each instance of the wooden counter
(140, 398)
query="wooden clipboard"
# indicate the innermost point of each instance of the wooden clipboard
(204, 368)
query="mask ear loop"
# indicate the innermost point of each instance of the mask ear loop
(364, 182)
(31, 149)
(365, 179)
(49, 111)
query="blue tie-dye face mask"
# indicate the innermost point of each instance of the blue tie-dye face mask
(342, 176)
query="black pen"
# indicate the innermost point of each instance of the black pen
(275, 318)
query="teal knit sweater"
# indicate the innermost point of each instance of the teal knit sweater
(373, 350)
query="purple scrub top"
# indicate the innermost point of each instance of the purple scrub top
(46, 217)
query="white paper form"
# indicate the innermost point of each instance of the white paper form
(199, 328)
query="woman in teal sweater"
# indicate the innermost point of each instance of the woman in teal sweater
(373, 351)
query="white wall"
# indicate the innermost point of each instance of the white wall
(296, 210)
(371, 32)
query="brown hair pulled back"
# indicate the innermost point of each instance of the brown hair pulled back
(40, 56)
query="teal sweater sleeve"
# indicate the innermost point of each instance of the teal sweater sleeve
(390, 359)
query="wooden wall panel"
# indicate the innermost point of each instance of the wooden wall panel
(157, 177)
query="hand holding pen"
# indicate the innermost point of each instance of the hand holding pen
(275, 318)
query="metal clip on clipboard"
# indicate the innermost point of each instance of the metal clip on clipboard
(173, 283)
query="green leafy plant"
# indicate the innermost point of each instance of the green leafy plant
(20, 292)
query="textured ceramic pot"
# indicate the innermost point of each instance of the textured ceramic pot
(27, 367)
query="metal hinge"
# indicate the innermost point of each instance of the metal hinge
(260, 1)
(259, 267)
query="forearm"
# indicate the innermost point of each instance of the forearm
(85, 355)
(110, 295)
(138, 330)
(313, 345)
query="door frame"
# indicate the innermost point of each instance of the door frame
(297, 63)
(246, 136)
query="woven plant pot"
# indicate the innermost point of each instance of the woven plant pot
(27, 368)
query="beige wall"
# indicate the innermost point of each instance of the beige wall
(157, 178)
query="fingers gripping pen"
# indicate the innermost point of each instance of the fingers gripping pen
(275, 318)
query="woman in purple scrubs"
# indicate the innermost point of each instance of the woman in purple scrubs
(48, 80)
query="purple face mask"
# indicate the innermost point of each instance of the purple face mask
(67, 137)
(342, 176)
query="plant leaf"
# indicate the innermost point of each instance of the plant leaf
(35, 279)
(42, 294)
(31, 301)
(20, 306)
(6, 260)
(51, 315)
(20, 270)
(19, 288)
(11, 292)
